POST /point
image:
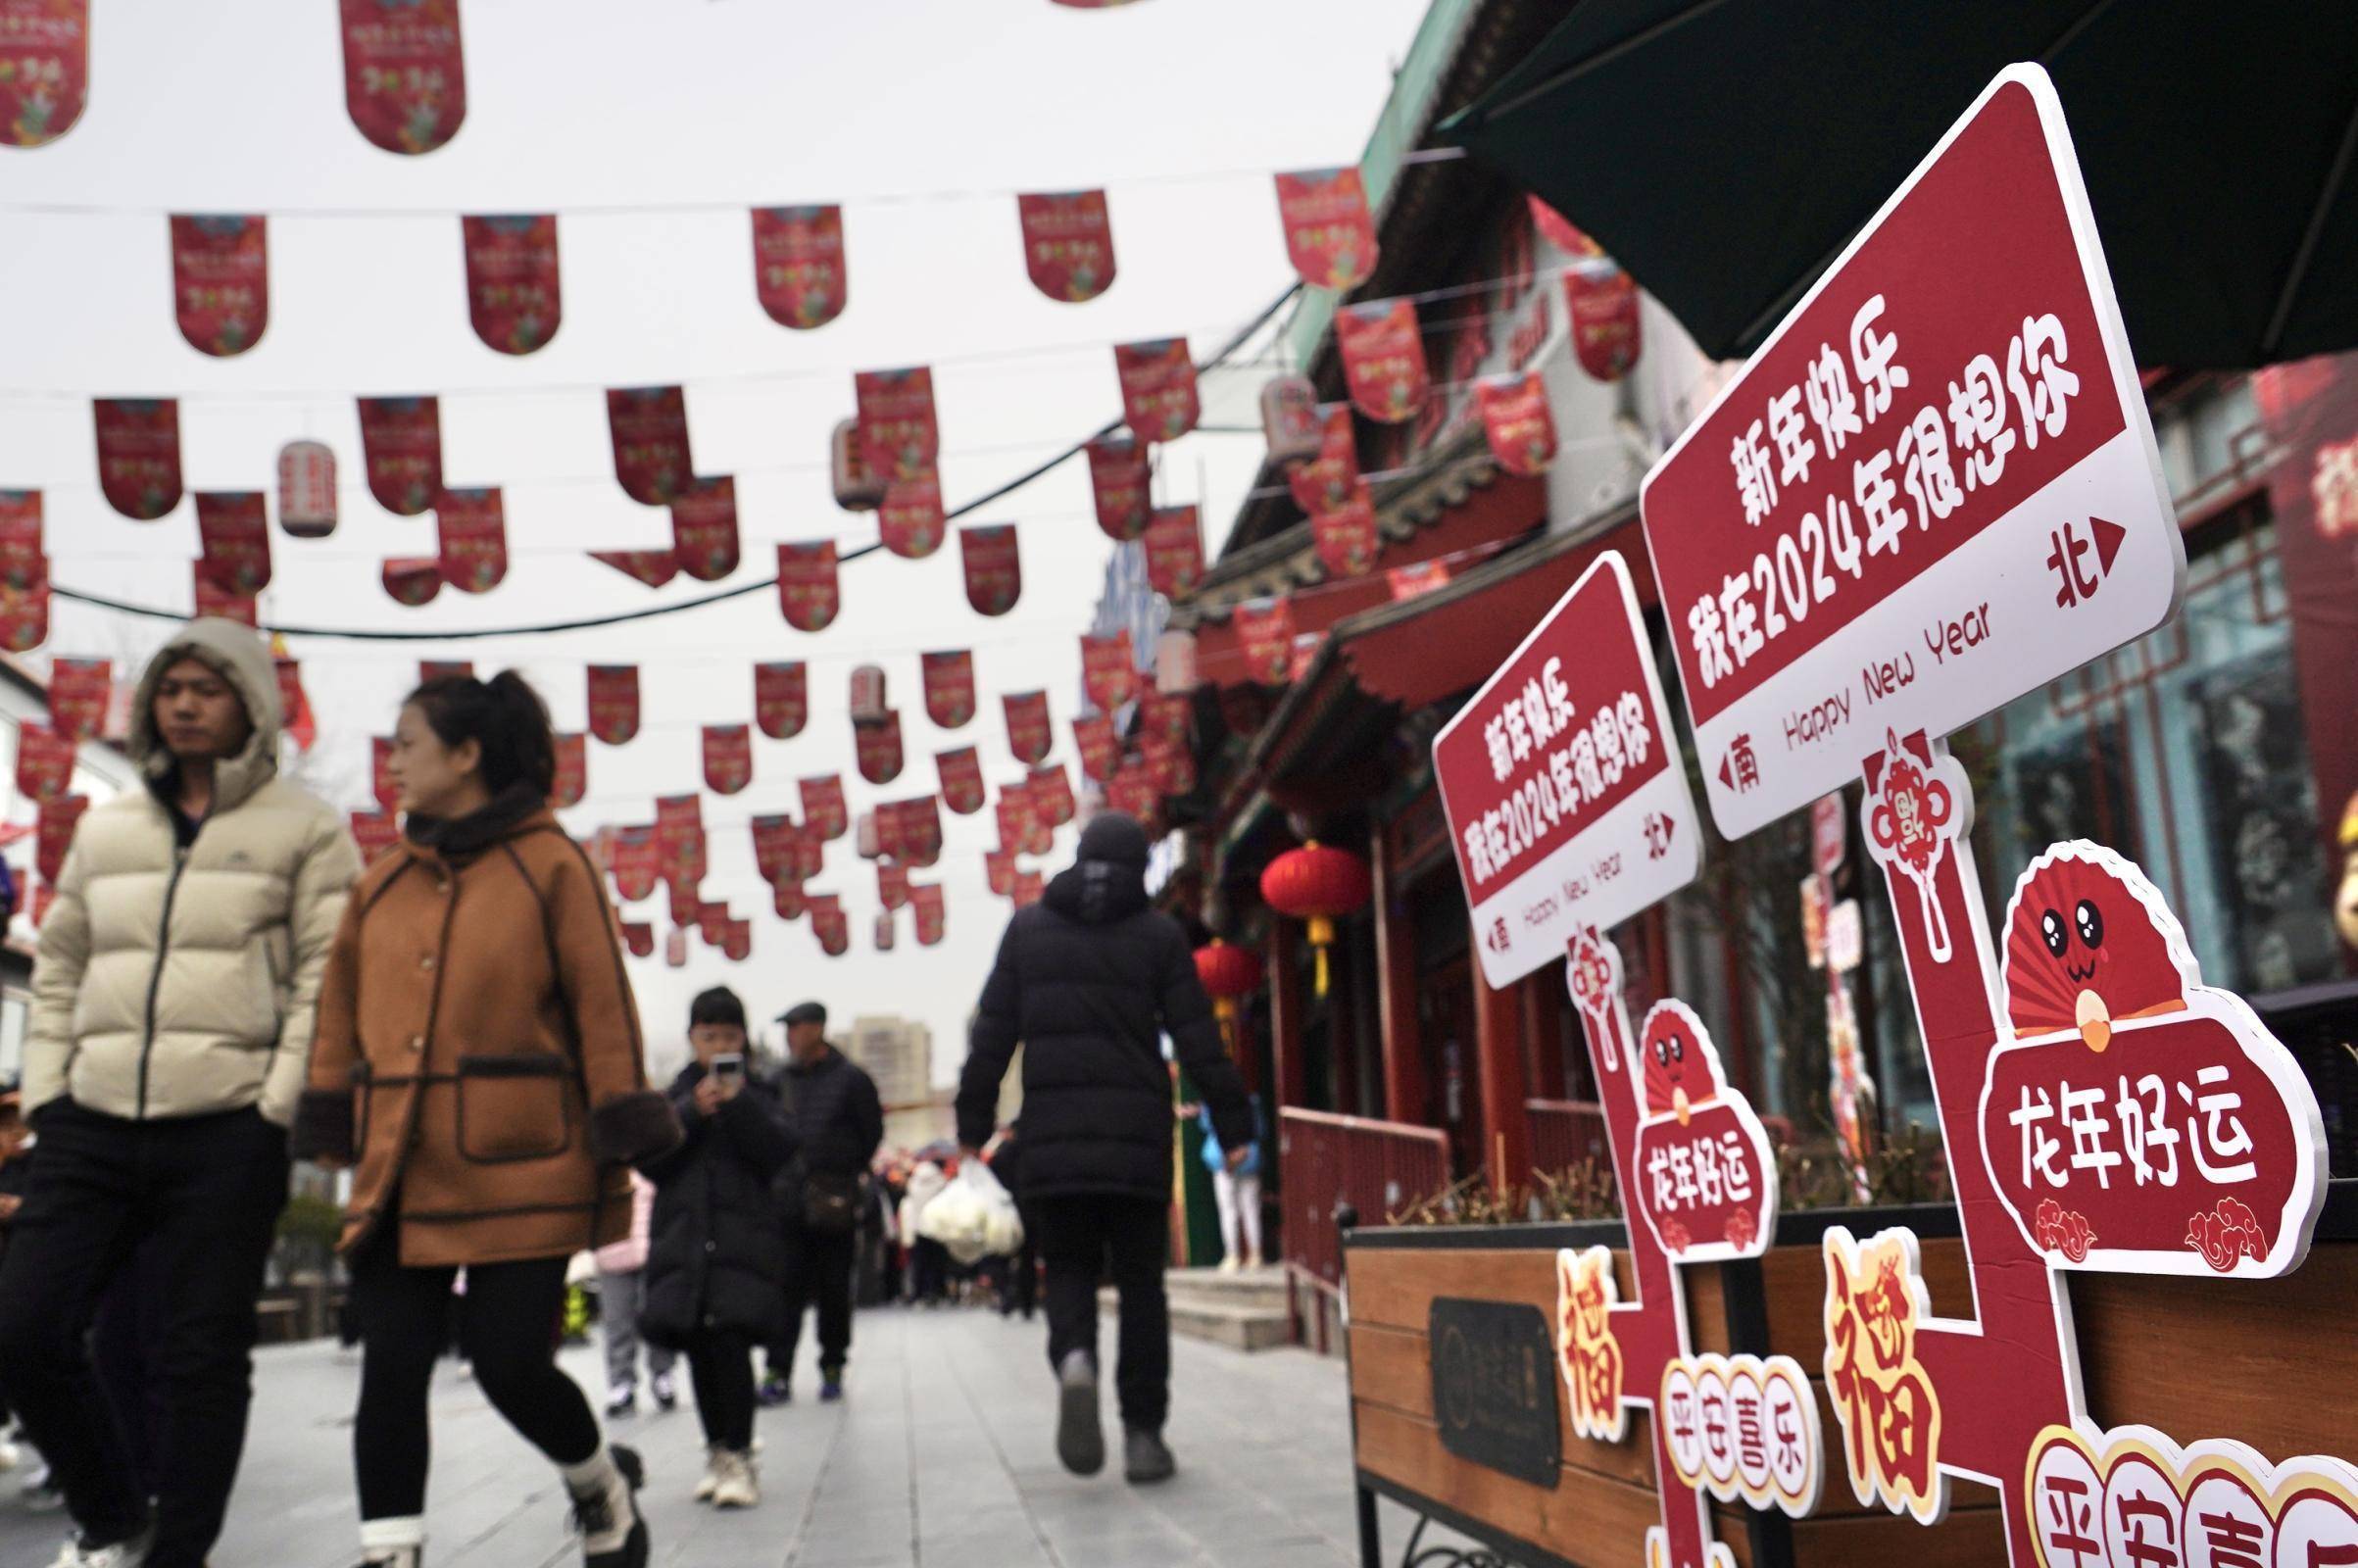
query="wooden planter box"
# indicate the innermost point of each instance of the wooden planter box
(2194, 1358)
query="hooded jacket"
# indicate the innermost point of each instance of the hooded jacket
(716, 1261)
(1088, 980)
(171, 981)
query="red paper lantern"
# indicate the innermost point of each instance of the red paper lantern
(1316, 884)
(1228, 972)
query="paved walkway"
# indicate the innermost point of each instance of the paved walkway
(941, 1457)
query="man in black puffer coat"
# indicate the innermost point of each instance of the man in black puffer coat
(1088, 980)
(716, 1256)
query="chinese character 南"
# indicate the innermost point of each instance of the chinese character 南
(2036, 375)
(1746, 764)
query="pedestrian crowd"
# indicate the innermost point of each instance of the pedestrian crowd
(221, 988)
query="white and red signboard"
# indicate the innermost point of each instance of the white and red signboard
(1933, 489)
(1566, 799)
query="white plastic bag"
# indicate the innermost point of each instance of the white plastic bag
(973, 1218)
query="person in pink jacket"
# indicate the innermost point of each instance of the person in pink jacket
(622, 1293)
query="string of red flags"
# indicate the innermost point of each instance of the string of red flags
(1108, 669)
(807, 592)
(1345, 536)
(573, 771)
(1028, 735)
(876, 748)
(1383, 358)
(613, 703)
(1517, 423)
(823, 807)
(233, 539)
(472, 529)
(728, 757)
(650, 430)
(704, 529)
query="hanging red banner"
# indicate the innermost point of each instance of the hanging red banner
(1092, 738)
(949, 687)
(960, 772)
(25, 616)
(294, 708)
(713, 924)
(630, 856)
(639, 937)
(892, 884)
(1052, 794)
(1327, 479)
(402, 451)
(434, 669)
(1170, 766)
(877, 746)
(513, 297)
(613, 702)
(799, 264)
(473, 529)
(737, 940)
(233, 534)
(380, 773)
(1330, 234)
(1346, 537)
(1383, 358)
(1027, 724)
(921, 830)
(1029, 885)
(1108, 670)
(212, 598)
(685, 907)
(993, 568)
(44, 761)
(830, 925)
(1604, 320)
(775, 856)
(411, 580)
(1516, 418)
(48, 47)
(781, 698)
(911, 521)
(1169, 715)
(79, 689)
(1290, 416)
(898, 435)
(786, 898)
(824, 808)
(572, 769)
(1133, 793)
(649, 426)
(932, 915)
(22, 562)
(1265, 627)
(374, 832)
(704, 529)
(1159, 388)
(807, 592)
(1068, 244)
(54, 833)
(728, 757)
(1121, 476)
(1174, 552)
(401, 448)
(139, 454)
(654, 567)
(220, 281)
(1562, 233)
(679, 851)
(405, 76)
(307, 489)
(1018, 816)
(998, 871)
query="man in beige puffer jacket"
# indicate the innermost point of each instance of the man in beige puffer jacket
(173, 991)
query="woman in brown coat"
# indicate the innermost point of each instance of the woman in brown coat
(478, 1064)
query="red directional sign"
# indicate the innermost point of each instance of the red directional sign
(1935, 487)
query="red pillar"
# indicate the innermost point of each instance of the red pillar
(1498, 1065)
(1404, 1093)
(1541, 1037)
(1285, 1019)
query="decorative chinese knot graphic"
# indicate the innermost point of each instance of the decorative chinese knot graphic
(1694, 1161)
(2126, 1118)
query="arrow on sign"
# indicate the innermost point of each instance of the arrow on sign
(2108, 542)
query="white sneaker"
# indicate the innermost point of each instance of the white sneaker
(737, 1486)
(710, 1482)
(1230, 1264)
(121, 1555)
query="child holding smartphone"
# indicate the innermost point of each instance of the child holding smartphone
(716, 1257)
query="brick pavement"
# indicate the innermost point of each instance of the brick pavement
(941, 1456)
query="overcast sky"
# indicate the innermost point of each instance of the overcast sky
(922, 116)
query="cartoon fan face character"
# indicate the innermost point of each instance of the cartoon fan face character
(2089, 945)
(1681, 1071)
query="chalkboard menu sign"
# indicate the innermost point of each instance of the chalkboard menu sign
(1494, 1387)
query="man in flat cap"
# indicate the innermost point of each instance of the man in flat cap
(840, 1120)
